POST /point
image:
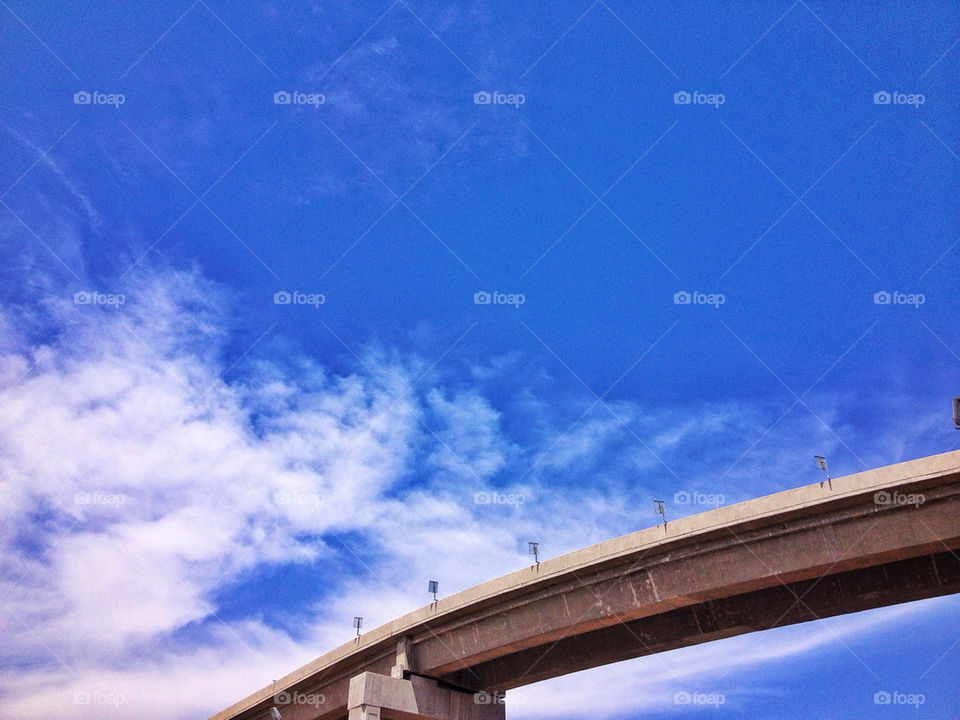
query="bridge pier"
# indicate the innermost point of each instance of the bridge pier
(379, 697)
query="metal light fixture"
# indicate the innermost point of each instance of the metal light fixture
(658, 507)
(357, 624)
(956, 412)
(822, 464)
(533, 548)
(274, 713)
(433, 586)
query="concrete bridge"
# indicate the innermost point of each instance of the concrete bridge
(867, 540)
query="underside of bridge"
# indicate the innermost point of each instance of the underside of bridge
(873, 539)
(796, 602)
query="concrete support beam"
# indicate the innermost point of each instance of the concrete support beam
(378, 697)
(405, 662)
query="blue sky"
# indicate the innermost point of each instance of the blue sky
(203, 485)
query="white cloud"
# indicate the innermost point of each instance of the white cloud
(137, 484)
(469, 424)
(153, 483)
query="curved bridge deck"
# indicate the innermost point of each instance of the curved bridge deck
(870, 539)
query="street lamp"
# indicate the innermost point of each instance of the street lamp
(822, 464)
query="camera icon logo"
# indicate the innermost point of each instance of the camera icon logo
(881, 698)
(681, 498)
(82, 98)
(681, 298)
(882, 498)
(481, 498)
(682, 697)
(481, 298)
(882, 298)
(281, 98)
(482, 98)
(681, 98)
(82, 298)
(881, 98)
(282, 298)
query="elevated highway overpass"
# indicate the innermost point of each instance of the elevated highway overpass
(871, 539)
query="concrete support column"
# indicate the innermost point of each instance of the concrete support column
(379, 697)
(364, 712)
(404, 658)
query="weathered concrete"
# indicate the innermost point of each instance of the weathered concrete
(789, 557)
(375, 696)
